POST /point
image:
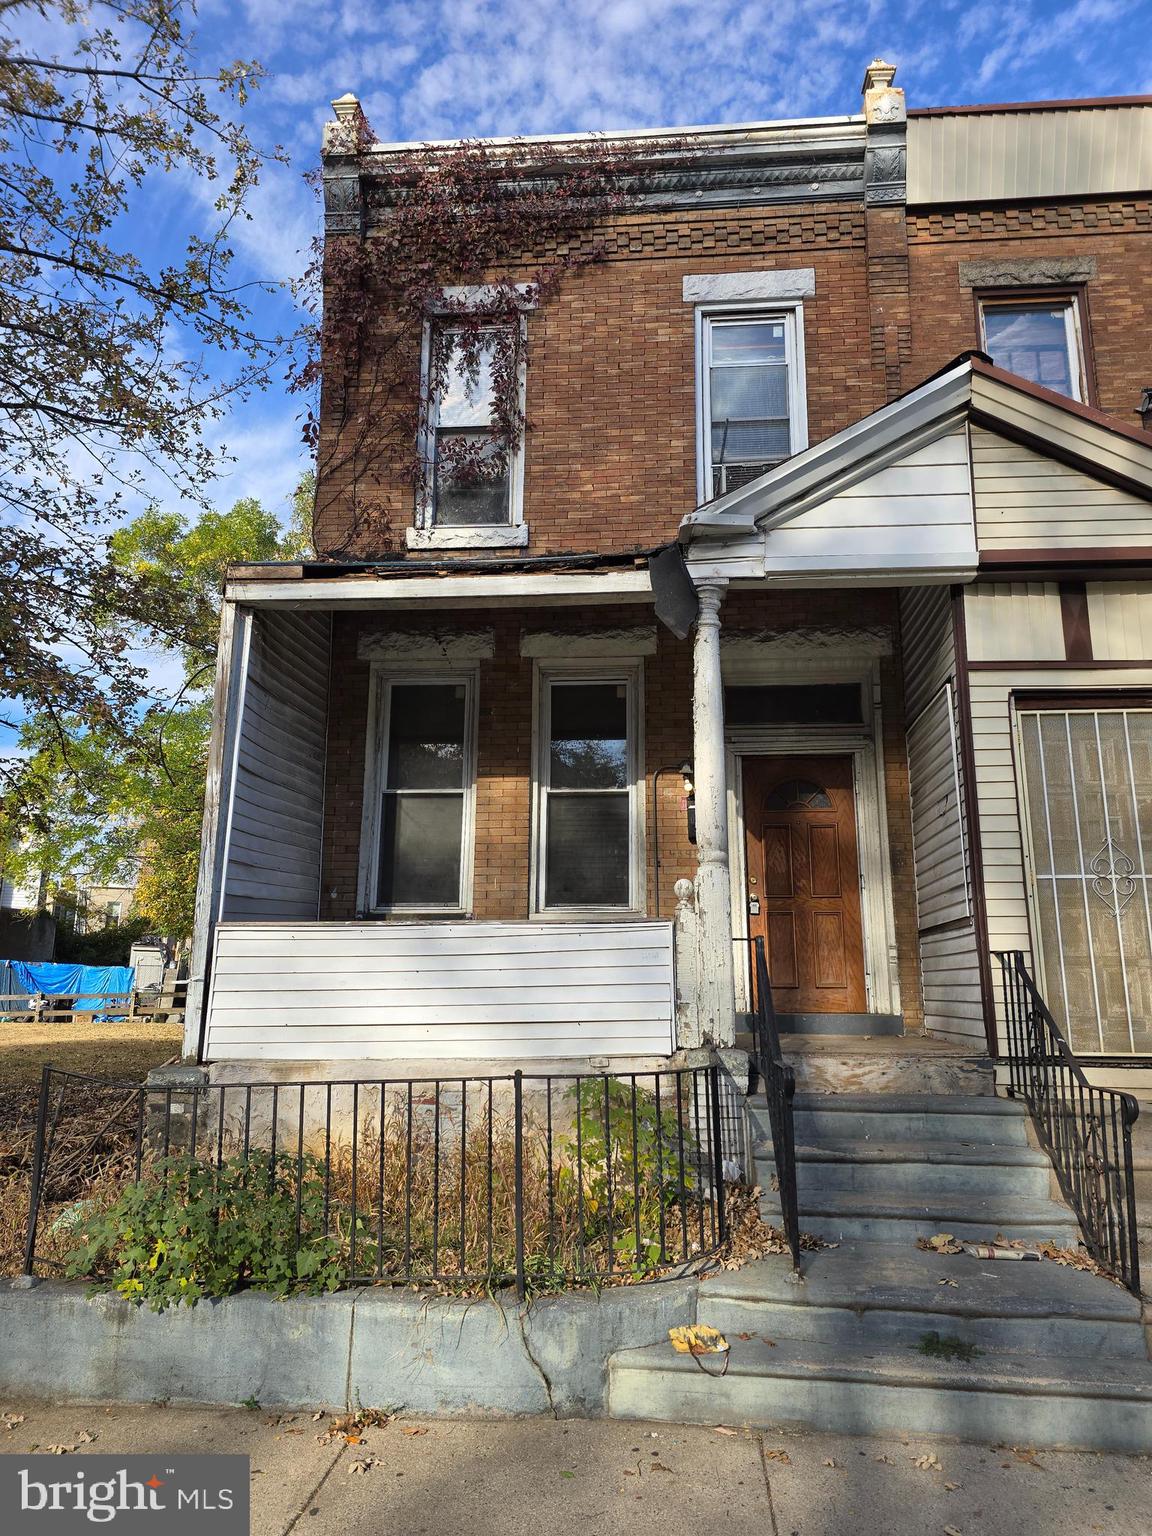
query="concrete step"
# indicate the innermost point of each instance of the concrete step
(916, 1168)
(900, 1117)
(868, 1294)
(1024, 1399)
(849, 1216)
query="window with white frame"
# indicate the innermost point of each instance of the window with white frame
(751, 394)
(589, 791)
(420, 788)
(471, 480)
(1038, 339)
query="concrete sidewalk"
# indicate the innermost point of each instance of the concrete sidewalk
(520, 1477)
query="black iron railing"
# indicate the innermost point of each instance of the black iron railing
(779, 1084)
(533, 1181)
(1086, 1131)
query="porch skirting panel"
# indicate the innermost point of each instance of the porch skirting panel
(431, 991)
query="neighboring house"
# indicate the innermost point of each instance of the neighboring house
(879, 379)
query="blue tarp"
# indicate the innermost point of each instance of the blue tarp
(83, 982)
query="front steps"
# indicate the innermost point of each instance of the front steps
(1061, 1355)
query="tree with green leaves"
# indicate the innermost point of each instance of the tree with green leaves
(122, 797)
(111, 367)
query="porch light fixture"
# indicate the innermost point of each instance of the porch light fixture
(1144, 409)
(689, 800)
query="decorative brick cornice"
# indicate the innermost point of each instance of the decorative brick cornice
(1127, 215)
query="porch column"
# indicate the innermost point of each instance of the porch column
(714, 977)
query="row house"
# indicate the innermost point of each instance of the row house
(815, 606)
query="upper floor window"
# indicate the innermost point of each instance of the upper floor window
(472, 489)
(1038, 339)
(751, 396)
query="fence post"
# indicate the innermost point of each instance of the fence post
(518, 1179)
(717, 1153)
(37, 1160)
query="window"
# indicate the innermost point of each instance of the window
(471, 494)
(750, 394)
(794, 704)
(419, 795)
(1038, 339)
(1087, 782)
(588, 836)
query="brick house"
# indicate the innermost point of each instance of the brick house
(816, 607)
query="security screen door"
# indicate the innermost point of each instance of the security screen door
(1088, 814)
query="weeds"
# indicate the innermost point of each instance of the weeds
(945, 1346)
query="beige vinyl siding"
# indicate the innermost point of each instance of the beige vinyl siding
(1120, 613)
(436, 991)
(949, 964)
(1025, 500)
(1014, 621)
(1053, 152)
(1005, 881)
(276, 807)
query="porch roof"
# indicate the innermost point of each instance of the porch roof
(891, 497)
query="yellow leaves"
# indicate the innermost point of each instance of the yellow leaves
(158, 1253)
(698, 1339)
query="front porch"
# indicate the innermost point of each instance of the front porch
(529, 836)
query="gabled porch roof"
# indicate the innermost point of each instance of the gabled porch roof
(893, 497)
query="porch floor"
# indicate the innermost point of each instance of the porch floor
(887, 1064)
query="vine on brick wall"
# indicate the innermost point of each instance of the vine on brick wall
(497, 217)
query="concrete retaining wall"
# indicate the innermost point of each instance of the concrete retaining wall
(364, 1348)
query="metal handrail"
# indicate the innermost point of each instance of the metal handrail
(1086, 1130)
(779, 1082)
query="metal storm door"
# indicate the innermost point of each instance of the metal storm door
(1088, 810)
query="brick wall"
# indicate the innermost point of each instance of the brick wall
(610, 456)
(1119, 298)
(504, 748)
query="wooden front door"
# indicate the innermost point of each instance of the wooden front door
(804, 881)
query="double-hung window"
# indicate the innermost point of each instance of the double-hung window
(589, 799)
(420, 794)
(1038, 339)
(751, 395)
(471, 491)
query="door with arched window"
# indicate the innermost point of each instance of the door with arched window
(804, 881)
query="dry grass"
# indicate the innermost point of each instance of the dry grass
(108, 1050)
(124, 1050)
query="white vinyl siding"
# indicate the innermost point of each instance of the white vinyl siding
(949, 961)
(912, 514)
(276, 809)
(425, 991)
(1120, 614)
(1014, 621)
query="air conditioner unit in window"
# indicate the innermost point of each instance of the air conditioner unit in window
(729, 477)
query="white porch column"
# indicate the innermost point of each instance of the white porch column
(714, 977)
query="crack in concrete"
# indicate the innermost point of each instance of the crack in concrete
(351, 1342)
(315, 1493)
(521, 1318)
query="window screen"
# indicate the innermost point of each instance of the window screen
(422, 800)
(587, 795)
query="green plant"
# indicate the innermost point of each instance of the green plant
(947, 1347)
(627, 1165)
(189, 1229)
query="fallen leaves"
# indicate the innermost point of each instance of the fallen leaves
(349, 1427)
(361, 1466)
(12, 1420)
(719, 1429)
(781, 1456)
(698, 1339)
(887, 1460)
(942, 1242)
(929, 1462)
(950, 1530)
(951, 1487)
(413, 1429)
(749, 1235)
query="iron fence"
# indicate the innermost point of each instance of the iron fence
(779, 1083)
(1086, 1130)
(532, 1180)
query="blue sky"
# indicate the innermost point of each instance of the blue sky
(442, 68)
